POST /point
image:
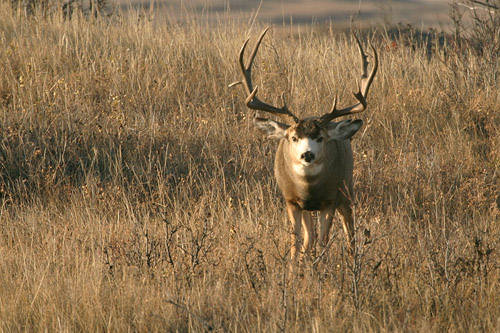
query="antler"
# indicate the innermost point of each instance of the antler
(252, 101)
(363, 88)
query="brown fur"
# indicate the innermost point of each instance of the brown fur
(308, 128)
(327, 191)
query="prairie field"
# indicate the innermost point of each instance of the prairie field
(136, 194)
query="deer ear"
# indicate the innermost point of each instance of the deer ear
(273, 129)
(343, 130)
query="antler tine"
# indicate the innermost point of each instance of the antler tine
(363, 87)
(252, 101)
(366, 80)
(334, 105)
(256, 48)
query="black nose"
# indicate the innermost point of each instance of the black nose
(308, 156)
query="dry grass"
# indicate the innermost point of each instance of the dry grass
(136, 195)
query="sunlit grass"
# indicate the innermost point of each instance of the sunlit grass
(136, 195)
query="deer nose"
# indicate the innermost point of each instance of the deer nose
(308, 156)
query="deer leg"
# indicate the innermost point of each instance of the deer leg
(295, 215)
(309, 232)
(325, 219)
(348, 224)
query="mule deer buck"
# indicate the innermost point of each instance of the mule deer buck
(314, 162)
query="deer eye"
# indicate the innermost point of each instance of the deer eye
(319, 139)
(294, 139)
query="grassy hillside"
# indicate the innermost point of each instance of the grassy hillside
(135, 194)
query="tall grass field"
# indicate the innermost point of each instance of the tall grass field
(136, 194)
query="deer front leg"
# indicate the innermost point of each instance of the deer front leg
(295, 215)
(325, 219)
(309, 232)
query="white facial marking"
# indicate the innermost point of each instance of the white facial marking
(307, 170)
(305, 145)
(301, 167)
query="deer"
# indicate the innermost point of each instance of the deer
(313, 164)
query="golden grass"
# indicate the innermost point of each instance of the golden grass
(136, 196)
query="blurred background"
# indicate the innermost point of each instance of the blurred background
(419, 13)
(425, 13)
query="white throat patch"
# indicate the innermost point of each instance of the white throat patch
(307, 170)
